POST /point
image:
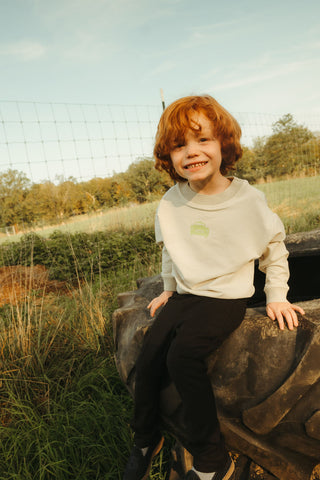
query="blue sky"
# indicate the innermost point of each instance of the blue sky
(253, 56)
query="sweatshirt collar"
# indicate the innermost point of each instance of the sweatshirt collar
(199, 199)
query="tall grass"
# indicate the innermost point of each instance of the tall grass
(296, 200)
(130, 218)
(64, 412)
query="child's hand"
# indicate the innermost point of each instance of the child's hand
(281, 311)
(159, 301)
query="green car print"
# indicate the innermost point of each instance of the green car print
(199, 228)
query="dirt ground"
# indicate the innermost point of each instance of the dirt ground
(18, 282)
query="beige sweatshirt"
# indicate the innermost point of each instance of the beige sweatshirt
(210, 242)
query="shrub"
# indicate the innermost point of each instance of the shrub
(71, 257)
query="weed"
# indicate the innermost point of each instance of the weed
(64, 411)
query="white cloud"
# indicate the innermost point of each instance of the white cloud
(85, 47)
(24, 50)
(163, 67)
(204, 34)
(99, 16)
(268, 74)
(86, 30)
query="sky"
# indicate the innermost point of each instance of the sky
(251, 55)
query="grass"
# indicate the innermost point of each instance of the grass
(64, 412)
(67, 431)
(297, 202)
(131, 218)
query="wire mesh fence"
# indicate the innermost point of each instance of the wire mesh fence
(47, 141)
(51, 143)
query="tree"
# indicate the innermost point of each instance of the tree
(41, 202)
(120, 190)
(145, 181)
(282, 152)
(246, 167)
(72, 199)
(99, 189)
(14, 187)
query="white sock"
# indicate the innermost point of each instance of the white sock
(204, 475)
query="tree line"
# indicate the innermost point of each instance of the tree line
(290, 150)
(26, 203)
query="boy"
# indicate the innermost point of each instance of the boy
(212, 228)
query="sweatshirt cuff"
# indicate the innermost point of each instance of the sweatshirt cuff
(169, 284)
(276, 295)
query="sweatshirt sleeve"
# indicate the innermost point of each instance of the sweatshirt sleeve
(169, 282)
(274, 263)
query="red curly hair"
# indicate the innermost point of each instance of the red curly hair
(176, 120)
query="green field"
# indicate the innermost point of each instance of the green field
(297, 202)
(134, 217)
(64, 411)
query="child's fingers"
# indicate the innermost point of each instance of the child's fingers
(158, 302)
(295, 319)
(154, 309)
(280, 320)
(151, 308)
(270, 313)
(284, 313)
(281, 317)
(154, 305)
(291, 318)
(154, 302)
(298, 309)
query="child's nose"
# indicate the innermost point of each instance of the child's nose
(192, 149)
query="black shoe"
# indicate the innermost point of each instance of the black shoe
(224, 474)
(138, 466)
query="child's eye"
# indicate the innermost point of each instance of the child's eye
(177, 146)
(203, 139)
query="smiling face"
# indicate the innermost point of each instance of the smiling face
(198, 157)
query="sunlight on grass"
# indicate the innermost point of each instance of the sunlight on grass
(64, 411)
(131, 218)
(297, 201)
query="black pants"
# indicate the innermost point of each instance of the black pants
(179, 341)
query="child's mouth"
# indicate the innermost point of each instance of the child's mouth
(195, 165)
